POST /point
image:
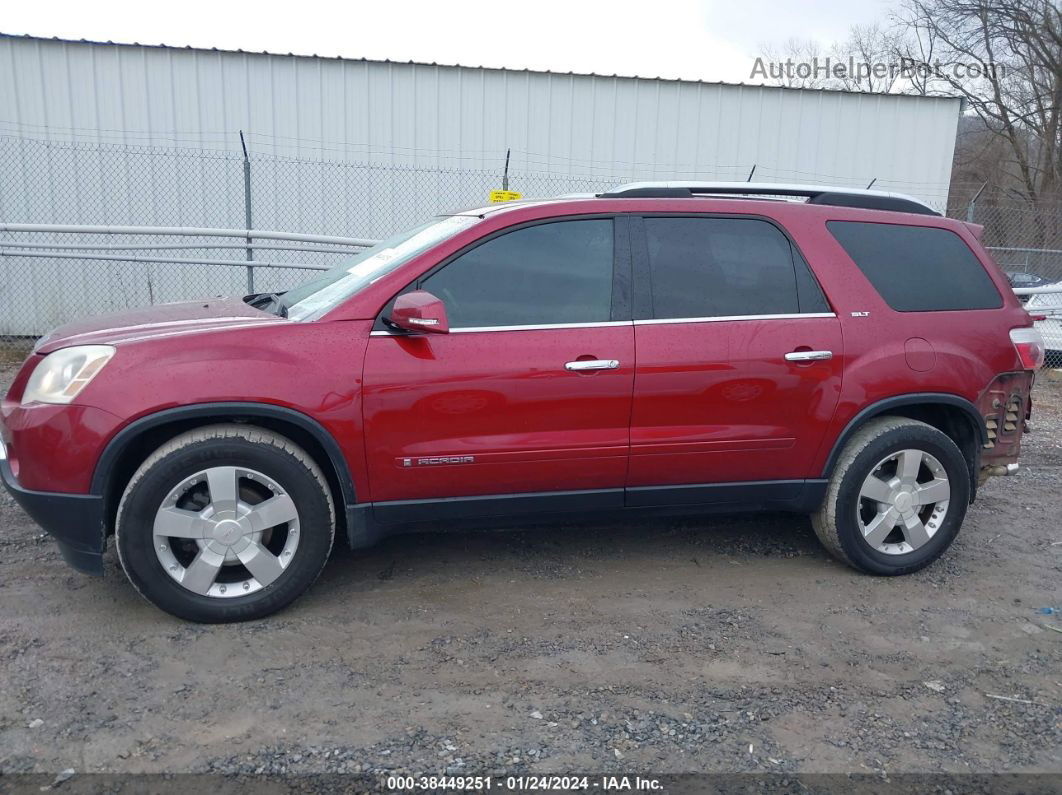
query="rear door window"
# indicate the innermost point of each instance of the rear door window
(726, 267)
(918, 268)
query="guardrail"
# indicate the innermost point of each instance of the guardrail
(53, 273)
(77, 251)
(191, 231)
(46, 303)
(250, 264)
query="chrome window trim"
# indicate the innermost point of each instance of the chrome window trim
(730, 318)
(609, 323)
(534, 327)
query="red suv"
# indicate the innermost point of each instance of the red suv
(664, 347)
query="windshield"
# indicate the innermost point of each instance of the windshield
(316, 297)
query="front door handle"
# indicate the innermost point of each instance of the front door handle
(808, 356)
(592, 364)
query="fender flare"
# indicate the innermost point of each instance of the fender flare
(220, 412)
(886, 405)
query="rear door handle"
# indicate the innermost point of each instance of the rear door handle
(808, 356)
(592, 364)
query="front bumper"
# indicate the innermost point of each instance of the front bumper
(75, 521)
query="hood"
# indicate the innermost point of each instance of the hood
(161, 320)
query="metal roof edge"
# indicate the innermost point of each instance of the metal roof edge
(688, 81)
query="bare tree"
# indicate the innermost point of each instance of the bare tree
(979, 165)
(916, 48)
(1004, 57)
(793, 64)
(870, 59)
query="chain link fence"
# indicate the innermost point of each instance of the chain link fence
(41, 181)
(47, 280)
(1026, 242)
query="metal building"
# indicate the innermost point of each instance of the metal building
(127, 134)
(455, 117)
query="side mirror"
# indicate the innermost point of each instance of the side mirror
(419, 311)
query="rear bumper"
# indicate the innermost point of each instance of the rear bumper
(75, 521)
(1006, 406)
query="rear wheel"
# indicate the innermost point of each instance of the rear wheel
(897, 497)
(225, 523)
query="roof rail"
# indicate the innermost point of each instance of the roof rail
(815, 194)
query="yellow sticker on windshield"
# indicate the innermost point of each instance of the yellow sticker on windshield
(503, 196)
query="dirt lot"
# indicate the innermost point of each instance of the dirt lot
(724, 644)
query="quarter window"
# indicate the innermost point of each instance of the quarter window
(723, 267)
(918, 268)
(558, 272)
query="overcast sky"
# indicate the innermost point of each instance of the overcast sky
(692, 39)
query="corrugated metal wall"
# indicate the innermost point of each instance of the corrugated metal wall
(446, 117)
(132, 135)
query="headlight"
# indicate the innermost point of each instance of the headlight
(64, 373)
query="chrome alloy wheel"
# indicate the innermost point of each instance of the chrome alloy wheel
(903, 502)
(226, 531)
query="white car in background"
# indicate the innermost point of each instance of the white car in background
(1049, 304)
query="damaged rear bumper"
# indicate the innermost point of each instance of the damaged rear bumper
(1006, 406)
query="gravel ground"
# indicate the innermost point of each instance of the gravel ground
(726, 644)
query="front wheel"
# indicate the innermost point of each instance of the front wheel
(225, 523)
(896, 499)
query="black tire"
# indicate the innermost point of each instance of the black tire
(836, 522)
(231, 446)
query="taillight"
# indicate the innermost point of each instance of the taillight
(1029, 344)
